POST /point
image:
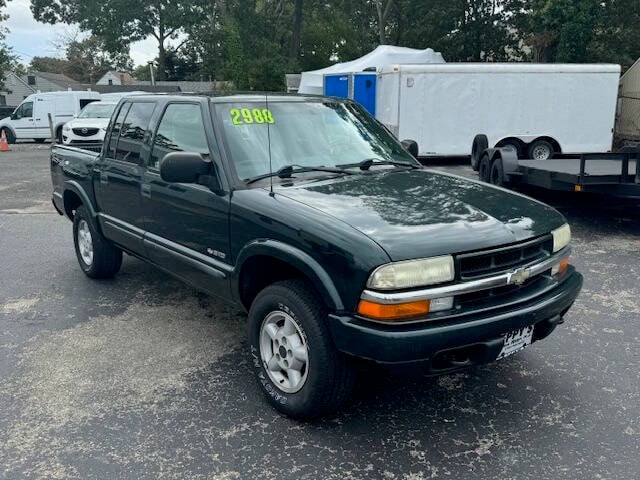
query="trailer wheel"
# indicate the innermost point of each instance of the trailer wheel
(479, 145)
(496, 175)
(484, 169)
(541, 150)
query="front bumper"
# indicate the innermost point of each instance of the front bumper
(448, 344)
(70, 138)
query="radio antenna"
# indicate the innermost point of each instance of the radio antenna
(266, 102)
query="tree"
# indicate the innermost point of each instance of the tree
(7, 58)
(120, 22)
(85, 59)
(382, 9)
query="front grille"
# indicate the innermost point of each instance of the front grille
(500, 260)
(499, 295)
(85, 132)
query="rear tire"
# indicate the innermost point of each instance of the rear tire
(541, 150)
(484, 169)
(97, 256)
(296, 364)
(11, 138)
(479, 145)
(496, 175)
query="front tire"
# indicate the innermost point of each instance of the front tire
(97, 256)
(479, 145)
(296, 365)
(11, 138)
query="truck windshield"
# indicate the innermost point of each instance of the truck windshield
(97, 110)
(306, 134)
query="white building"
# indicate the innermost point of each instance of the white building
(115, 78)
(15, 90)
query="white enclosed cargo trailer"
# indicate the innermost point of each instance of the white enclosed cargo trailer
(537, 108)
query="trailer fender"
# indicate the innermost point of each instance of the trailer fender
(509, 159)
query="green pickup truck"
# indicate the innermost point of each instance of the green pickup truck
(306, 212)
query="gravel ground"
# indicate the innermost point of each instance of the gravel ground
(142, 377)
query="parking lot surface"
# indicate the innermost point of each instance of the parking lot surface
(143, 377)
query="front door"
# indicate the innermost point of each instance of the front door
(118, 176)
(186, 224)
(22, 120)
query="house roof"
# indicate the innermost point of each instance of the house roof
(57, 78)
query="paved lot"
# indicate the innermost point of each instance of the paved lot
(142, 377)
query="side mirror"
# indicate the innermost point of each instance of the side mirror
(184, 167)
(14, 116)
(411, 146)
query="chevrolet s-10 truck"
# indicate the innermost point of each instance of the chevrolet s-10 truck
(310, 215)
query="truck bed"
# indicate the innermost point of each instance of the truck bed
(612, 174)
(571, 166)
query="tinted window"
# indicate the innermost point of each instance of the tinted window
(133, 130)
(115, 132)
(181, 129)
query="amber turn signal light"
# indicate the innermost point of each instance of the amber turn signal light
(561, 267)
(391, 312)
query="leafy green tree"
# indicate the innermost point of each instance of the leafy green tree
(120, 22)
(86, 60)
(7, 58)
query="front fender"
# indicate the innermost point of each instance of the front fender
(296, 258)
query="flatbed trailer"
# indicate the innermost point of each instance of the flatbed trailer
(611, 174)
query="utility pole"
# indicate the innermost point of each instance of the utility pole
(153, 81)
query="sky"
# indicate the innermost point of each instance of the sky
(33, 39)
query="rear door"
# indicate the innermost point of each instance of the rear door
(42, 108)
(120, 172)
(187, 224)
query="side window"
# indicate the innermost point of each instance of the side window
(25, 110)
(133, 130)
(180, 130)
(115, 131)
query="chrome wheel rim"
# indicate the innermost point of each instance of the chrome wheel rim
(541, 152)
(85, 242)
(284, 351)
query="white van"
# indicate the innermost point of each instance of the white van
(30, 119)
(538, 109)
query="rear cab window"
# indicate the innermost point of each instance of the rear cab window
(129, 131)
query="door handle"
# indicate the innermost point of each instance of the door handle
(145, 190)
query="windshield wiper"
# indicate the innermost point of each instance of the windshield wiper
(288, 170)
(367, 163)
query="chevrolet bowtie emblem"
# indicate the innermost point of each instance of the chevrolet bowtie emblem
(519, 276)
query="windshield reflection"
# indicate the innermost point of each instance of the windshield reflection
(309, 134)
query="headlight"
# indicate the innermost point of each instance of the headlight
(66, 128)
(561, 237)
(412, 273)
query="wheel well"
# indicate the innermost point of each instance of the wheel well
(552, 141)
(71, 203)
(504, 141)
(260, 271)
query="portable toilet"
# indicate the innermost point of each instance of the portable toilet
(364, 90)
(336, 85)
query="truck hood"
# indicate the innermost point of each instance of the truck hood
(421, 213)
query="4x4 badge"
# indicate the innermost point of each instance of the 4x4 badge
(519, 276)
